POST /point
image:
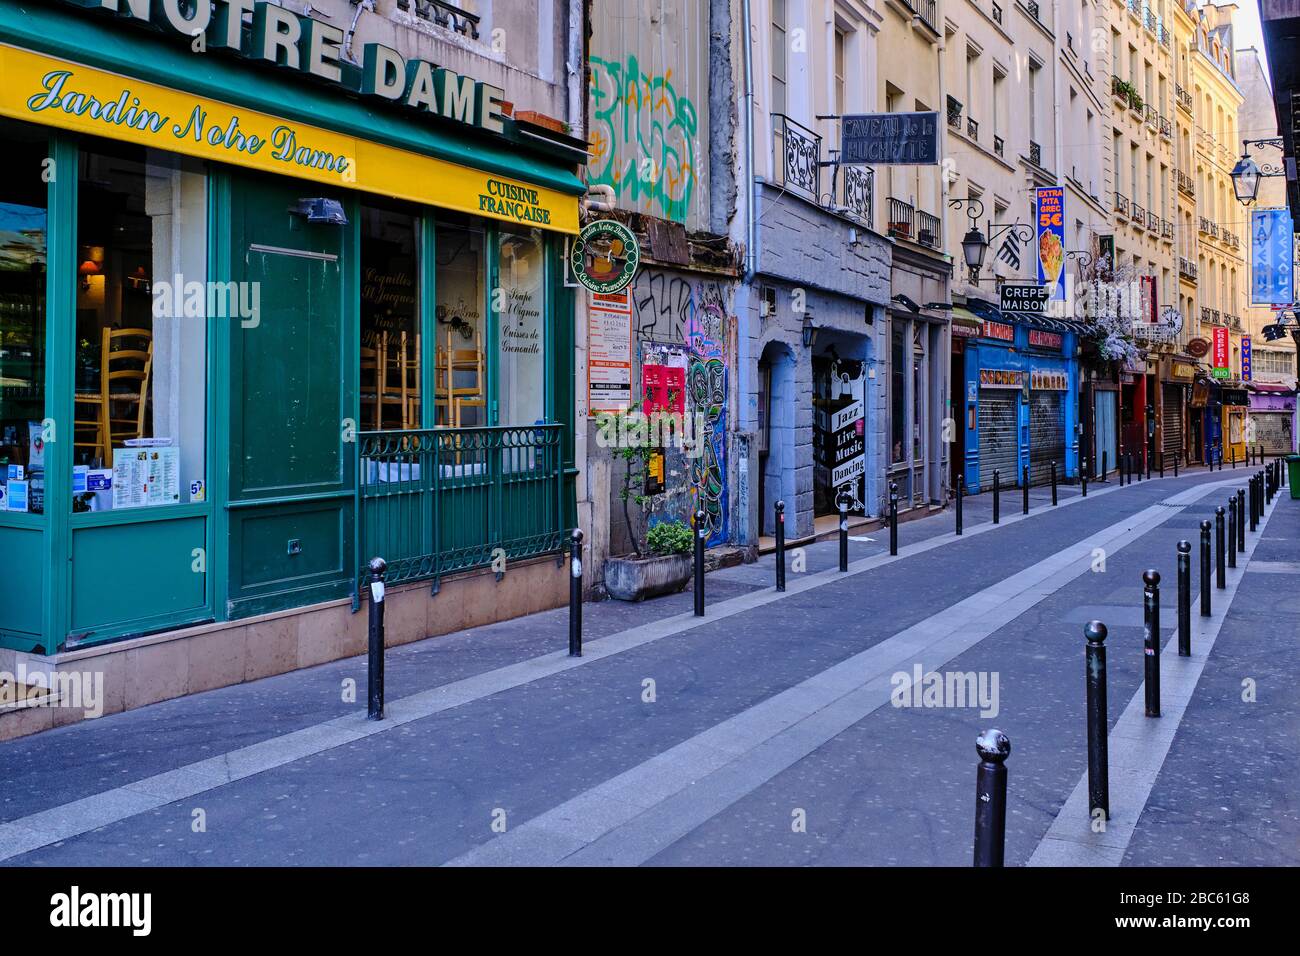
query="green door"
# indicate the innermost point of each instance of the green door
(290, 398)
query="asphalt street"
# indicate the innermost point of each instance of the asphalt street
(766, 733)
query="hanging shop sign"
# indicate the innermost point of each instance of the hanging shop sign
(1245, 358)
(1049, 380)
(306, 45)
(1182, 371)
(890, 139)
(609, 352)
(1045, 340)
(1219, 360)
(999, 330)
(1272, 266)
(73, 97)
(1024, 297)
(1198, 347)
(1051, 240)
(1001, 378)
(604, 257)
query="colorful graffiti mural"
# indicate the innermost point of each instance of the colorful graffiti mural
(683, 320)
(643, 138)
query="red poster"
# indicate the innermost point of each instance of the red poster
(1220, 347)
(664, 388)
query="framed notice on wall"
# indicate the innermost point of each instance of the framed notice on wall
(609, 352)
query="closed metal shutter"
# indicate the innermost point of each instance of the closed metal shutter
(997, 427)
(1046, 436)
(1171, 421)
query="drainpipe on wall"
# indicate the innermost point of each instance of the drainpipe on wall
(945, 456)
(573, 67)
(751, 227)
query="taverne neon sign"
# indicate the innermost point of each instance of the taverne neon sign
(304, 45)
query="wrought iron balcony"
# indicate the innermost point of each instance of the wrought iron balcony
(1151, 115)
(1148, 19)
(857, 192)
(954, 113)
(445, 14)
(1035, 153)
(997, 14)
(1166, 229)
(1187, 268)
(929, 230)
(1153, 222)
(1135, 8)
(927, 10)
(1121, 204)
(901, 219)
(972, 128)
(1165, 38)
(798, 154)
(1138, 214)
(1203, 225)
(1184, 98)
(1032, 7)
(999, 146)
(1186, 184)
(1166, 127)
(1205, 316)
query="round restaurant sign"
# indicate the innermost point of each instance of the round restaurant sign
(1198, 348)
(604, 256)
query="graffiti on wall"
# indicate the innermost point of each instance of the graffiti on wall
(643, 138)
(684, 320)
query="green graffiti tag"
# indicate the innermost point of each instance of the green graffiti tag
(643, 138)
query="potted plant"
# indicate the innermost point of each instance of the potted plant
(660, 562)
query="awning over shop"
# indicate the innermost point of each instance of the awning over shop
(1270, 388)
(982, 311)
(966, 324)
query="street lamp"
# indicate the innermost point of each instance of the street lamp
(809, 331)
(1246, 174)
(974, 245)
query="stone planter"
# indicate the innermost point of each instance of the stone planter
(635, 579)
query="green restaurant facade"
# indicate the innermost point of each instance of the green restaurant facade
(229, 377)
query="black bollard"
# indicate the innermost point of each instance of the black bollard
(701, 533)
(1233, 453)
(1269, 484)
(991, 798)
(1254, 504)
(1232, 531)
(1220, 575)
(780, 545)
(961, 493)
(842, 500)
(1104, 463)
(1176, 466)
(1094, 659)
(375, 681)
(893, 517)
(1205, 568)
(1024, 475)
(997, 496)
(1241, 519)
(1121, 467)
(575, 593)
(1083, 479)
(1151, 639)
(1138, 460)
(1053, 483)
(1146, 454)
(1162, 463)
(1184, 598)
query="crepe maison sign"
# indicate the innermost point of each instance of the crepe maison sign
(313, 48)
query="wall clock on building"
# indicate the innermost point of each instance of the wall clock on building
(604, 257)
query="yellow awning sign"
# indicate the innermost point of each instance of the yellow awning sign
(81, 99)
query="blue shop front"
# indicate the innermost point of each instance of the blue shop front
(1021, 399)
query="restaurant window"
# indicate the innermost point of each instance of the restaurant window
(918, 390)
(142, 304)
(460, 381)
(23, 250)
(390, 320)
(519, 304)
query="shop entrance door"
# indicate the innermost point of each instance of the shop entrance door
(1171, 422)
(997, 437)
(1105, 435)
(291, 388)
(1046, 436)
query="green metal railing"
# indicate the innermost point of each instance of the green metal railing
(434, 501)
